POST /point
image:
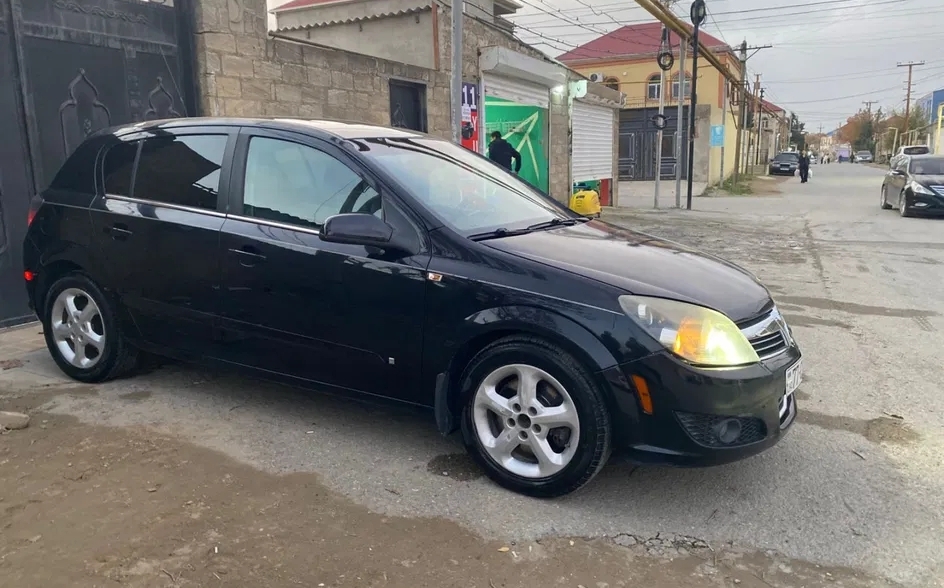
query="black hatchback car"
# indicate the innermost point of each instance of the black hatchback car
(383, 262)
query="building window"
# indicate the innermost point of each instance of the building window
(654, 88)
(408, 105)
(676, 88)
(612, 83)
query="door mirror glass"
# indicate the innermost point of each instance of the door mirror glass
(357, 229)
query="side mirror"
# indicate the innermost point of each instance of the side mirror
(363, 229)
(356, 229)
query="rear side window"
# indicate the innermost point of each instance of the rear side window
(119, 168)
(916, 150)
(182, 170)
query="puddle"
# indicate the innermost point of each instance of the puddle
(137, 395)
(458, 466)
(797, 320)
(853, 308)
(880, 430)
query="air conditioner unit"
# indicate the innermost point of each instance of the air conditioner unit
(596, 77)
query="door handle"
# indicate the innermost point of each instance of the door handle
(120, 232)
(249, 256)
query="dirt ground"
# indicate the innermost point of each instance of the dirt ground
(84, 505)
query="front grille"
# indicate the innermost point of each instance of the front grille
(769, 345)
(704, 429)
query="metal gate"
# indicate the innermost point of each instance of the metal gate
(638, 143)
(70, 68)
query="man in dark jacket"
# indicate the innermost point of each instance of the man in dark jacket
(501, 152)
(804, 167)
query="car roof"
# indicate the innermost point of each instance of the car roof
(318, 128)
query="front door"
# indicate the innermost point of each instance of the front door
(157, 227)
(342, 315)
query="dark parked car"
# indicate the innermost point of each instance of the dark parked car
(785, 163)
(383, 262)
(915, 185)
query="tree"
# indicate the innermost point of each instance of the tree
(797, 137)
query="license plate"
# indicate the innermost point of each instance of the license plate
(784, 167)
(794, 377)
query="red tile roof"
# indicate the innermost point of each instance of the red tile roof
(770, 106)
(301, 4)
(640, 39)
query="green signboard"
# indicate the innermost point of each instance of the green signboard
(525, 127)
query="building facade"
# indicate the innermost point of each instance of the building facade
(932, 104)
(626, 59)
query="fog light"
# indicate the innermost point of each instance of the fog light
(920, 204)
(728, 430)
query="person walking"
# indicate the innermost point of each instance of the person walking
(501, 152)
(804, 167)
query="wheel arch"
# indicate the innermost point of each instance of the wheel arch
(488, 326)
(52, 270)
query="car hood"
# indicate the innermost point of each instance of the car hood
(936, 180)
(644, 265)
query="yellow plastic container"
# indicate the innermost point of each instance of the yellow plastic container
(586, 202)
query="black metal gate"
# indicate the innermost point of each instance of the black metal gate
(638, 144)
(72, 67)
(408, 105)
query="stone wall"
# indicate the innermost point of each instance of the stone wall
(242, 72)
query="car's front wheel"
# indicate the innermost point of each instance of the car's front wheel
(903, 205)
(885, 204)
(534, 418)
(82, 332)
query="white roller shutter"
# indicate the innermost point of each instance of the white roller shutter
(517, 91)
(593, 143)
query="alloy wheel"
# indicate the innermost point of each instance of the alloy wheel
(77, 328)
(902, 205)
(526, 421)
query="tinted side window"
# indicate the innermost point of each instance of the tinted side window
(296, 184)
(182, 170)
(119, 168)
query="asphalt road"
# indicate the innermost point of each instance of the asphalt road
(851, 486)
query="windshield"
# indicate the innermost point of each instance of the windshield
(787, 157)
(465, 191)
(928, 167)
(863, 153)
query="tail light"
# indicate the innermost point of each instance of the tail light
(35, 203)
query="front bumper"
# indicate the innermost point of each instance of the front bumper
(924, 204)
(777, 171)
(691, 405)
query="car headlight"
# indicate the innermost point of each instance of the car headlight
(696, 334)
(917, 188)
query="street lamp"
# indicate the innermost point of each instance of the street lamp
(698, 14)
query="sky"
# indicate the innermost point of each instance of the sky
(827, 57)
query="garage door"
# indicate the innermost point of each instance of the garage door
(593, 147)
(517, 91)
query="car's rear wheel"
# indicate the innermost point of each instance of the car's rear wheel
(903, 205)
(82, 333)
(885, 204)
(534, 418)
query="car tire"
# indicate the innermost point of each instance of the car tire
(505, 431)
(903, 206)
(82, 332)
(885, 204)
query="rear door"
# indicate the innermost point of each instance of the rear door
(157, 224)
(347, 316)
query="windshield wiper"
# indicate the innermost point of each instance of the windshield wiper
(554, 222)
(498, 234)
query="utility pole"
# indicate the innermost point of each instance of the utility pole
(741, 101)
(868, 106)
(456, 85)
(663, 47)
(698, 15)
(757, 118)
(910, 65)
(744, 90)
(679, 127)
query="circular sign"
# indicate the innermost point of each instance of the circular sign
(659, 121)
(666, 60)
